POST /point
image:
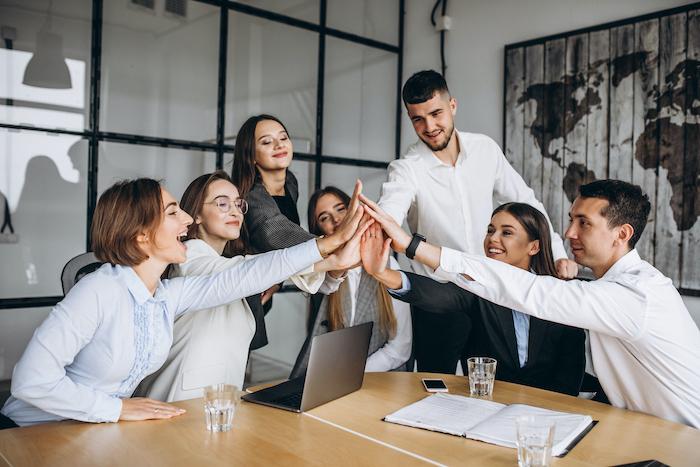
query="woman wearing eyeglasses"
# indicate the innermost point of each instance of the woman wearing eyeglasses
(211, 346)
(115, 326)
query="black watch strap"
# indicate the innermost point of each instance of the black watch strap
(413, 246)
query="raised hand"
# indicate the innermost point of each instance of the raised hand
(347, 227)
(142, 408)
(348, 256)
(400, 239)
(374, 250)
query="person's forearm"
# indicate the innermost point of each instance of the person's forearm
(390, 278)
(428, 254)
(327, 245)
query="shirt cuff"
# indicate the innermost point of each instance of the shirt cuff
(109, 411)
(405, 286)
(311, 247)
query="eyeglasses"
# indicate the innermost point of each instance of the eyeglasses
(224, 204)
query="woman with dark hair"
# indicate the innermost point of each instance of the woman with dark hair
(529, 350)
(262, 156)
(360, 298)
(115, 326)
(211, 346)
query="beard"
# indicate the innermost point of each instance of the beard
(441, 145)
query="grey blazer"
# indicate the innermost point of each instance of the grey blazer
(268, 228)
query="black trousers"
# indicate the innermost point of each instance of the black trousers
(439, 339)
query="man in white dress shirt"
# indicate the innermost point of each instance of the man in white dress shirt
(446, 186)
(644, 344)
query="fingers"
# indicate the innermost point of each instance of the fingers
(386, 249)
(163, 410)
(354, 201)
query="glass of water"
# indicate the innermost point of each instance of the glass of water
(482, 371)
(220, 402)
(535, 435)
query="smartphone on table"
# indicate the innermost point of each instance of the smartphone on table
(434, 385)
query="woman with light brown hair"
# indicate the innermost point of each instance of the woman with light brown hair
(115, 326)
(210, 346)
(360, 298)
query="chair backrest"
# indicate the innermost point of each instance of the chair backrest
(78, 267)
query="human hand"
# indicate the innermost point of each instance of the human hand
(348, 256)
(143, 408)
(267, 295)
(374, 250)
(347, 227)
(566, 268)
(400, 239)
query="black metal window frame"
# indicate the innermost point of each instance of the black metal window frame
(93, 135)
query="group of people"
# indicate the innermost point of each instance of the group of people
(181, 297)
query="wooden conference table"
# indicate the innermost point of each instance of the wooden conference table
(348, 431)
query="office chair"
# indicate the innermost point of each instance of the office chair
(76, 268)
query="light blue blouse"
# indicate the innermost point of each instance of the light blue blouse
(109, 333)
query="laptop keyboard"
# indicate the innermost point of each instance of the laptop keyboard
(289, 400)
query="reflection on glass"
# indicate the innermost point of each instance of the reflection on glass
(307, 10)
(378, 20)
(43, 184)
(175, 167)
(44, 64)
(272, 69)
(160, 72)
(344, 176)
(360, 101)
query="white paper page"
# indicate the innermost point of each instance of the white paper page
(500, 429)
(447, 413)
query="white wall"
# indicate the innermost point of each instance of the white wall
(475, 45)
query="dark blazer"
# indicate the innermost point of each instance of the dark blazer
(269, 229)
(556, 354)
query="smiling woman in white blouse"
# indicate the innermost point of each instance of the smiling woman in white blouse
(115, 326)
(360, 299)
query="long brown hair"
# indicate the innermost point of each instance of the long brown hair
(537, 228)
(193, 202)
(243, 172)
(387, 318)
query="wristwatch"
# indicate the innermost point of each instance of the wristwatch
(413, 246)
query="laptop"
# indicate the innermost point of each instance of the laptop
(336, 368)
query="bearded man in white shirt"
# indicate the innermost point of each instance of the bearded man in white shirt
(445, 187)
(644, 344)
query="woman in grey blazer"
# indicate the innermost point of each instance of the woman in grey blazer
(261, 172)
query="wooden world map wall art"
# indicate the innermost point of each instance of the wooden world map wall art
(620, 100)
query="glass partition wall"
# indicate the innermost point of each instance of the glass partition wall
(94, 91)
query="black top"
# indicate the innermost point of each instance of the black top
(287, 207)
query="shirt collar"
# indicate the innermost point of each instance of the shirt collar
(137, 288)
(432, 161)
(630, 259)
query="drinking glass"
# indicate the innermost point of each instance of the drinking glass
(482, 371)
(535, 435)
(220, 402)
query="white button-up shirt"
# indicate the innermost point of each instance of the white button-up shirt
(452, 206)
(645, 345)
(109, 332)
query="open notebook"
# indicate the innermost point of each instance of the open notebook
(486, 420)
